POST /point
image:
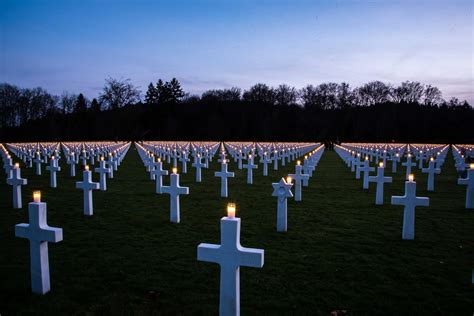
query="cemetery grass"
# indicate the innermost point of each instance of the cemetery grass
(341, 252)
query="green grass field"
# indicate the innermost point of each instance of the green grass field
(340, 252)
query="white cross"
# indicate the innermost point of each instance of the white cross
(184, 159)
(282, 190)
(39, 234)
(240, 156)
(431, 170)
(230, 255)
(53, 168)
(395, 159)
(250, 166)
(72, 162)
(224, 174)
(357, 164)
(198, 165)
(174, 190)
(265, 160)
(111, 165)
(275, 160)
(38, 162)
(16, 182)
(366, 169)
(469, 182)
(87, 186)
(408, 164)
(298, 176)
(102, 171)
(158, 172)
(380, 180)
(410, 201)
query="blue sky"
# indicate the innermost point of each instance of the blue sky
(73, 45)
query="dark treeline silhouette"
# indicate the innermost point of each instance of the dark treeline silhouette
(373, 112)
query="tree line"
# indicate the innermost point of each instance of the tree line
(373, 111)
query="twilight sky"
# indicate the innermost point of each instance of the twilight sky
(73, 45)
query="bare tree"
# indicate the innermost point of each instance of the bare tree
(260, 93)
(432, 95)
(286, 95)
(118, 93)
(374, 92)
(67, 102)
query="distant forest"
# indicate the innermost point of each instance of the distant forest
(375, 111)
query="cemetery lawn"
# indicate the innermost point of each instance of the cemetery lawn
(341, 252)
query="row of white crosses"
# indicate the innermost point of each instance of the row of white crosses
(37, 230)
(462, 154)
(282, 189)
(155, 168)
(230, 255)
(434, 154)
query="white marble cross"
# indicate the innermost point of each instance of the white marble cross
(38, 162)
(174, 190)
(265, 160)
(111, 165)
(410, 201)
(230, 255)
(87, 186)
(53, 168)
(250, 166)
(395, 159)
(72, 162)
(39, 234)
(184, 159)
(198, 165)
(431, 171)
(298, 176)
(282, 190)
(102, 171)
(469, 183)
(366, 169)
(158, 172)
(408, 164)
(8, 166)
(275, 160)
(224, 174)
(16, 182)
(380, 179)
(240, 156)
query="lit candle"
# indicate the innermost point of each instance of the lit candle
(86, 168)
(381, 164)
(159, 160)
(175, 170)
(288, 179)
(231, 210)
(411, 177)
(101, 158)
(298, 163)
(471, 166)
(37, 196)
(17, 165)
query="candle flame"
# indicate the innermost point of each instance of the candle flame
(411, 177)
(231, 208)
(37, 196)
(298, 163)
(175, 170)
(17, 165)
(381, 164)
(86, 167)
(471, 166)
(288, 179)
